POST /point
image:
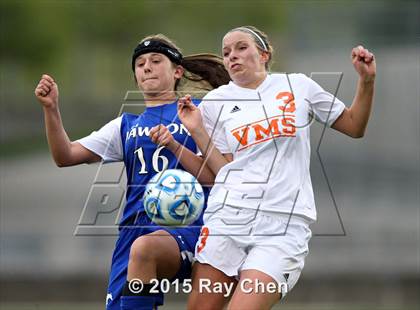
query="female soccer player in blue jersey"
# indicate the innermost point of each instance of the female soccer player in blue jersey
(143, 250)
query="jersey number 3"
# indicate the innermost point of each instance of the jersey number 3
(203, 238)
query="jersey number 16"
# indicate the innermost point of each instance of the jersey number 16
(155, 160)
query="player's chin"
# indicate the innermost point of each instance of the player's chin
(236, 74)
(150, 85)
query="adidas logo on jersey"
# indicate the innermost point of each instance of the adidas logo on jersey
(235, 109)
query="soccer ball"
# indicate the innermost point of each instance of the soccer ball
(173, 198)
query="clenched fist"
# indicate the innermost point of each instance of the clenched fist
(364, 63)
(162, 136)
(47, 92)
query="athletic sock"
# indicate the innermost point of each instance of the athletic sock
(143, 300)
(137, 302)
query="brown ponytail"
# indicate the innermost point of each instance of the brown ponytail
(208, 67)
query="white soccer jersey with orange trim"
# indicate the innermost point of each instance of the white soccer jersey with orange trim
(267, 131)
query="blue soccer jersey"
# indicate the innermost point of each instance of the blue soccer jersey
(127, 139)
(142, 157)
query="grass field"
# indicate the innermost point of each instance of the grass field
(181, 306)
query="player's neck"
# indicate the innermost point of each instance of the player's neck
(252, 82)
(159, 98)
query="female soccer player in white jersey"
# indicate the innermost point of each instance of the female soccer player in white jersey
(143, 250)
(254, 135)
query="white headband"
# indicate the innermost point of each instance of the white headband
(255, 35)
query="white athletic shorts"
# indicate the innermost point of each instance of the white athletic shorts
(235, 239)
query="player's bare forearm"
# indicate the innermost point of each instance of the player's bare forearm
(212, 156)
(194, 164)
(353, 121)
(362, 106)
(191, 117)
(190, 161)
(58, 140)
(64, 152)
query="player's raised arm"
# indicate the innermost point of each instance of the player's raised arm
(190, 116)
(63, 151)
(353, 121)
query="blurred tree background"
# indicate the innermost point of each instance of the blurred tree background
(87, 46)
